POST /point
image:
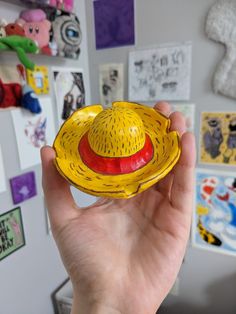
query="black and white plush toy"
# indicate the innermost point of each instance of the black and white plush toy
(221, 27)
(67, 35)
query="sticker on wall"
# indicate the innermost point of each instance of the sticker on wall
(111, 83)
(218, 138)
(38, 79)
(33, 132)
(214, 217)
(114, 23)
(162, 73)
(188, 111)
(23, 187)
(11, 232)
(2, 172)
(69, 90)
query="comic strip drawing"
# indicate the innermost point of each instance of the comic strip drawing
(111, 83)
(163, 73)
(69, 90)
(218, 138)
(214, 218)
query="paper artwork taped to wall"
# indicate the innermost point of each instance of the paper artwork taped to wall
(23, 187)
(2, 174)
(111, 83)
(214, 218)
(188, 111)
(32, 132)
(161, 73)
(69, 91)
(11, 232)
(114, 23)
(218, 138)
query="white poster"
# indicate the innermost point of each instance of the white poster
(188, 111)
(161, 73)
(111, 83)
(33, 131)
(69, 91)
(2, 174)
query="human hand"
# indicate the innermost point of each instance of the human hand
(123, 256)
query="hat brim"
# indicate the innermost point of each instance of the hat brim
(70, 165)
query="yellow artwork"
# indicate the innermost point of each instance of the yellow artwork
(116, 152)
(218, 138)
(38, 79)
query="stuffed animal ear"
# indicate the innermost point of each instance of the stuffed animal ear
(47, 24)
(20, 22)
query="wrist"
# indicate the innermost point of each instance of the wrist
(86, 306)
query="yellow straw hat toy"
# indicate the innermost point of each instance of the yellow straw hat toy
(116, 152)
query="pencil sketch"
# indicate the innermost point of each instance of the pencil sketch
(162, 73)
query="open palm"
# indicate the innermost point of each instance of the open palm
(123, 255)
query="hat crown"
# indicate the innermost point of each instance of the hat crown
(117, 132)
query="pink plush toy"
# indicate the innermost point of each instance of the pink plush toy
(36, 26)
(66, 5)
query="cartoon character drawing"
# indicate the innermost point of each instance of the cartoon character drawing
(216, 211)
(213, 137)
(36, 132)
(15, 226)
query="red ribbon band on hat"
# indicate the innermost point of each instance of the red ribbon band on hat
(115, 165)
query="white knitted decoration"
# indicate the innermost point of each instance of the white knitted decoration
(221, 27)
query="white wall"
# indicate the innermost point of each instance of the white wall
(30, 275)
(207, 280)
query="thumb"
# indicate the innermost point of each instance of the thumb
(59, 200)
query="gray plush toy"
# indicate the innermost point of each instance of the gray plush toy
(221, 27)
(67, 35)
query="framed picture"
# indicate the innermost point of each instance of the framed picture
(11, 232)
(214, 215)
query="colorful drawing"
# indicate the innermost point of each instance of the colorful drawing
(161, 73)
(2, 172)
(32, 132)
(218, 138)
(23, 187)
(11, 232)
(69, 90)
(111, 83)
(114, 23)
(214, 218)
(188, 111)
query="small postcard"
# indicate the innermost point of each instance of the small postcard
(11, 232)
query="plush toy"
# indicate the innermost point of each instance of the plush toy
(3, 24)
(36, 26)
(29, 99)
(21, 45)
(67, 35)
(14, 29)
(10, 95)
(66, 5)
